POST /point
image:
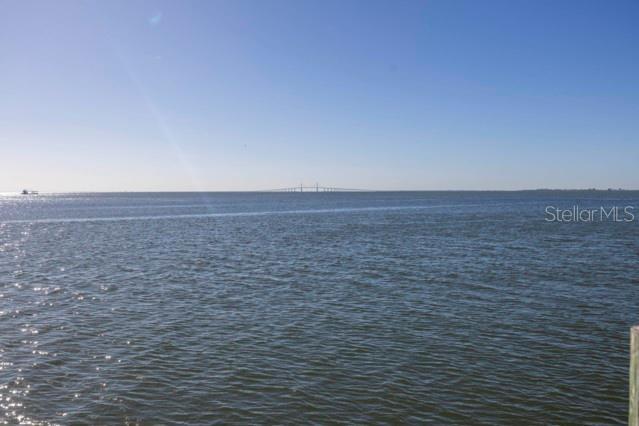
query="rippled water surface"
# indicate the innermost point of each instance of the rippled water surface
(416, 308)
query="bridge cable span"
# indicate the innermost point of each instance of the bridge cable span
(316, 188)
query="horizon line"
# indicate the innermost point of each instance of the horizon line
(345, 190)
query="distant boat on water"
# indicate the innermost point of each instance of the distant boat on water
(29, 192)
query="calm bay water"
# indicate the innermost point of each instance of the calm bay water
(412, 307)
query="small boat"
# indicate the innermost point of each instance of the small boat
(27, 192)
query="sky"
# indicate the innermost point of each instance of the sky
(250, 95)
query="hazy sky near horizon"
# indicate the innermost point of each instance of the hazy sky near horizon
(243, 95)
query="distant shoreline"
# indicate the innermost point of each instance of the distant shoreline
(327, 192)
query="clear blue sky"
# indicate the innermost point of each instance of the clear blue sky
(241, 95)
